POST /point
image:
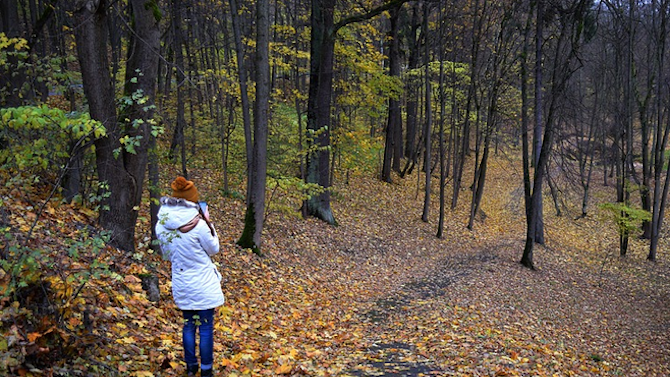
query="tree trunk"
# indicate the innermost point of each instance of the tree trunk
(154, 189)
(626, 160)
(660, 202)
(411, 90)
(480, 174)
(322, 42)
(322, 46)
(244, 95)
(443, 107)
(587, 151)
(297, 101)
(553, 189)
(536, 198)
(659, 199)
(9, 82)
(178, 137)
(537, 130)
(72, 177)
(527, 258)
(255, 215)
(121, 177)
(393, 145)
(141, 76)
(428, 126)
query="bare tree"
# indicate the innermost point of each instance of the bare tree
(564, 64)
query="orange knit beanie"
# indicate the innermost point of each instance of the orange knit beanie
(181, 188)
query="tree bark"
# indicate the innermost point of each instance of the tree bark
(322, 46)
(537, 130)
(178, 137)
(244, 95)
(527, 258)
(141, 77)
(322, 42)
(429, 122)
(255, 214)
(659, 195)
(121, 178)
(411, 89)
(393, 145)
(443, 107)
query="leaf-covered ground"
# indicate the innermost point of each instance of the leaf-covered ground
(378, 295)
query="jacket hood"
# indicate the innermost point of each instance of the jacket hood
(176, 212)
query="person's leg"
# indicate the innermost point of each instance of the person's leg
(206, 330)
(188, 340)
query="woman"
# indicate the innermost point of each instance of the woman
(188, 239)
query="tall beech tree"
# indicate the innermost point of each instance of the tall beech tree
(412, 37)
(244, 93)
(255, 214)
(568, 38)
(393, 146)
(322, 45)
(443, 107)
(178, 135)
(537, 205)
(121, 165)
(462, 147)
(496, 73)
(428, 125)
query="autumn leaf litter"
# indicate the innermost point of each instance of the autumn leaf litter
(379, 294)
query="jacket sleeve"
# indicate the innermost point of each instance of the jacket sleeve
(209, 243)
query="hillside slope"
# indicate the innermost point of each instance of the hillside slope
(377, 295)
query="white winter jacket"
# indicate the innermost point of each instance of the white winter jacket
(196, 282)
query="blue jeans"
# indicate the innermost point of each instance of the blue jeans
(204, 321)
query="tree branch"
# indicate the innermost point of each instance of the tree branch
(44, 17)
(368, 15)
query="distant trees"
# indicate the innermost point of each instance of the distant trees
(288, 92)
(659, 121)
(625, 70)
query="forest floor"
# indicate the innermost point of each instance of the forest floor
(381, 295)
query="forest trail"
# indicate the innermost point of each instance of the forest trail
(464, 306)
(474, 315)
(387, 357)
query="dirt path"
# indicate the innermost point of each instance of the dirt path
(390, 358)
(480, 313)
